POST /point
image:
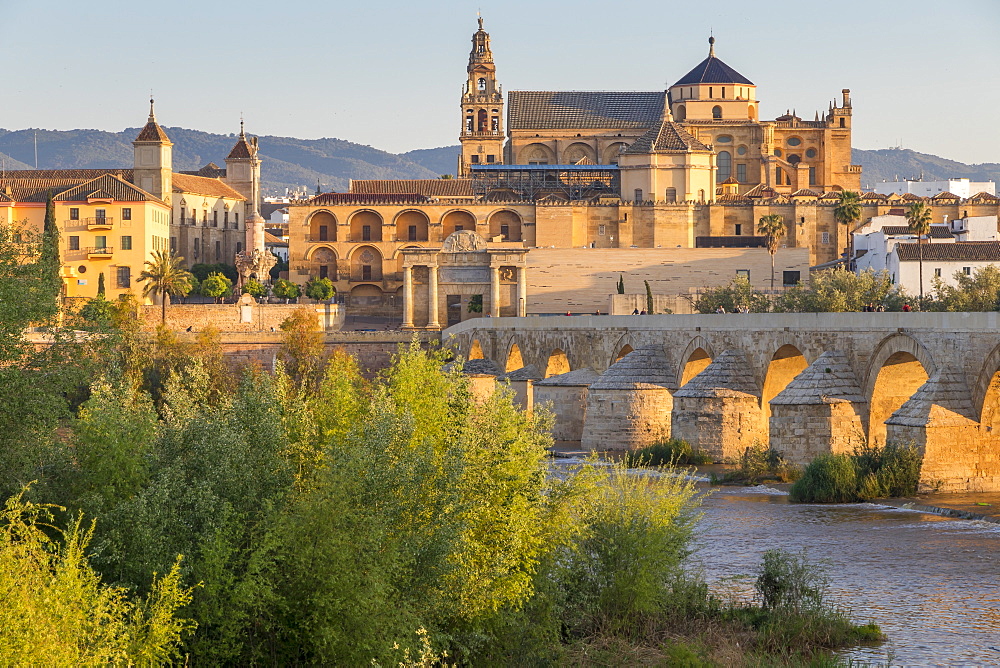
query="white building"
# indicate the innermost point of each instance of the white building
(876, 239)
(964, 188)
(941, 261)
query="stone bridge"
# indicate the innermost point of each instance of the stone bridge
(806, 383)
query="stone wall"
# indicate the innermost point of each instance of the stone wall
(626, 419)
(802, 432)
(721, 426)
(238, 317)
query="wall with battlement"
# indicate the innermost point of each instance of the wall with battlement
(239, 318)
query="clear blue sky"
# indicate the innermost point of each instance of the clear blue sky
(388, 73)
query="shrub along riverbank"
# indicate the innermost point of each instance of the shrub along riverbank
(867, 473)
(326, 518)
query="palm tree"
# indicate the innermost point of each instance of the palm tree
(772, 227)
(847, 213)
(918, 219)
(165, 276)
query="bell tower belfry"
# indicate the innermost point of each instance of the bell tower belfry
(482, 133)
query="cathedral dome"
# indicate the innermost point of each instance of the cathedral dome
(713, 71)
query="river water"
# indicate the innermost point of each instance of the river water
(931, 583)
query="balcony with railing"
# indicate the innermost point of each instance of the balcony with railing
(100, 252)
(99, 223)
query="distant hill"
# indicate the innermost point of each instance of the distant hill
(443, 160)
(891, 164)
(287, 162)
(297, 163)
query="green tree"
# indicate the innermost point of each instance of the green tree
(848, 213)
(739, 292)
(978, 292)
(99, 312)
(164, 277)
(202, 271)
(320, 289)
(621, 284)
(918, 219)
(216, 285)
(649, 298)
(772, 228)
(100, 285)
(254, 288)
(475, 304)
(285, 289)
(57, 611)
(838, 290)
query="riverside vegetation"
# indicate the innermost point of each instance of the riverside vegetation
(161, 508)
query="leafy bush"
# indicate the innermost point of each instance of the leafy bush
(868, 473)
(739, 292)
(202, 271)
(320, 289)
(837, 290)
(757, 463)
(978, 292)
(216, 285)
(99, 312)
(787, 581)
(668, 452)
(285, 289)
(254, 288)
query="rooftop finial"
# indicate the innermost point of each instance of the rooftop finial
(711, 46)
(480, 20)
(152, 116)
(242, 134)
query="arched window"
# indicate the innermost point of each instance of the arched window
(482, 84)
(725, 164)
(482, 121)
(681, 112)
(716, 111)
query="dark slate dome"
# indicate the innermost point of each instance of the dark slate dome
(713, 71)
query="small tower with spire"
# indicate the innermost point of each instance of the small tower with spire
(713, 91)
(482, 133)
(243, 170)
(153, 159)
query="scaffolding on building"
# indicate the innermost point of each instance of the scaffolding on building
(534, 182)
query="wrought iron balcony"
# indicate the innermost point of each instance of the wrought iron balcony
(100, 252)
(99, 223)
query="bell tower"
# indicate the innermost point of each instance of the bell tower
(153, 159)
(482, 133)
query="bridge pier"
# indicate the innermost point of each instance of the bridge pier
(718, 411)
(819, 412)
(567, 394)
(629, 406)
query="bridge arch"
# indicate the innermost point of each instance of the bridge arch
(698, 355)
(785, 364)
(514, 360)
(557, 363)
(986, 393)
(476, 350)
(622, 347)
(897, 369)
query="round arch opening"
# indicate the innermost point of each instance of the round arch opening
(557, 363)
(514, 359)
(366, 226)
(476, 350)
(898, 379)
(454, 221)
(505, 224)
(786, 363)
(412, 226)
(366, 264)
(696, 362)
(322, 226)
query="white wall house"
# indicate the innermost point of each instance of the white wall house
(875, 240)
(941, 261)
(964, 188)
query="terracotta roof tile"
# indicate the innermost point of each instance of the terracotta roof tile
(984, 197)
(425, 187)
(271, 240)
(973, 251)
(945, 195)
(761, 190)
(34, 185)
(211, 171)
(619, 110)
(873, 196)
(153, 132)
(668, 137)
(106, 186)
(241, 150)
(937, 231)
(910, 197)
(805, 192)
(332, 199)
(187, 183)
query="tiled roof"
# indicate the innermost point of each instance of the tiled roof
(153, 132)
(668, 137)
(105, 186)
(34, 185)
(910, 197)
(984, 197)
(937, 231)
(241, 150)
(187, 183)
(425, 187)
(625, 110)
(833, 194)
(713, 71)
(873, 195)
(211, 171)
(271, 240)
(731, 180)
(761, 190)
(974, 251)
(946, 195)
(805, 192)
(331, 199)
